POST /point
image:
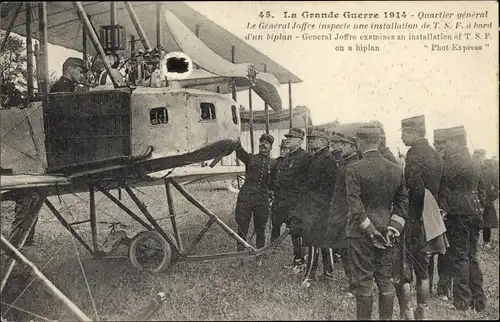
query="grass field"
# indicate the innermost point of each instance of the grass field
(195, 291)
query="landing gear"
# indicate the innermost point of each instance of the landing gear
(149, 251)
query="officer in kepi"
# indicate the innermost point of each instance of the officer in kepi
(313, 207)
(276, 219)
(74, 70)
(290, 186)
(423, 171)
(378, 208)
(460, 200)
(253, 198)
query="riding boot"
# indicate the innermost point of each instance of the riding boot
(327, 260)
(421, 313)
(385, 306)
(312, 262)
(298, 253)
(404, 300)
(431, 274)
(364, 307)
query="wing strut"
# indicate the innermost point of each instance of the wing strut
(11, 24)
(48, 284)
(95, 40)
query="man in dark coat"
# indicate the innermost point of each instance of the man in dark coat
(276, 220)
(464, 221)
(489, 181)
(290, 186)
(74, 71)
(444, 261)
(423, 171)
(339, 211)
(312, 208)
(253, 198)
(378, 208)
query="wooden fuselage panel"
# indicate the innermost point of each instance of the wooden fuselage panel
(185, 130)
(172, 121)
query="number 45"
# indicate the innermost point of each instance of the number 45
(266, 14)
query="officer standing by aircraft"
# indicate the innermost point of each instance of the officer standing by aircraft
(374, 185)
(460, 200)
(276, 220)
(253, 198)
(423, 171)
(313, 207)
(339, 210)
(290, 186)
(74, 70)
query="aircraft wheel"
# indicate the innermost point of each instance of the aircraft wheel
(149, 251)
(235, 184)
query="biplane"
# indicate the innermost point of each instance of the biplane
(154, 113)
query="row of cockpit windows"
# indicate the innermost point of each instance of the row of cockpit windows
(159, 115)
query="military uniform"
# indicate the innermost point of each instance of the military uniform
(290, 186)
(65, 84)
(463, 227)
(490, 180)
(253, 198)
(312, 207)
(423, 171)
(338, 217)
(373, 186)
(276, 219)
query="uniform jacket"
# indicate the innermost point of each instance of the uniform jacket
(490, 179)
(339, 208)
(423, 170)
(374, 185)
(458, 178)
(257, 174)
(63, 84)
(292, 178)
(313, 206)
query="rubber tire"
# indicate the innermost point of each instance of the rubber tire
(167, 251)
(233, 184)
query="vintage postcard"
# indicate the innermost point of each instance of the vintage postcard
(249, 160)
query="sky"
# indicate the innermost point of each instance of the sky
(401, 80)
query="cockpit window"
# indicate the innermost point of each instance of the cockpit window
(207, 111)
(158, 115)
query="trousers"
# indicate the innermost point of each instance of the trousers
(466, 273)
(257, 207)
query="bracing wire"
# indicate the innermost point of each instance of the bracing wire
(26, 311)
(82, 268)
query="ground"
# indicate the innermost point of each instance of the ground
(195, 291)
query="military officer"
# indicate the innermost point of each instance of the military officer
(460, 200)
(339, 210)
(444, 261)
(253, 198)
(290, 186)
(489, 193)
(423, 171)
(312, 208)
(74, 70)
(276, 221)
(378, 207)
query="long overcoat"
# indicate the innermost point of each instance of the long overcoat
(313, 207)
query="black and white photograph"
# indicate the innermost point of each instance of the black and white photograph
(249, 160)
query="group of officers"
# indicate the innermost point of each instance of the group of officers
(385, 222)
